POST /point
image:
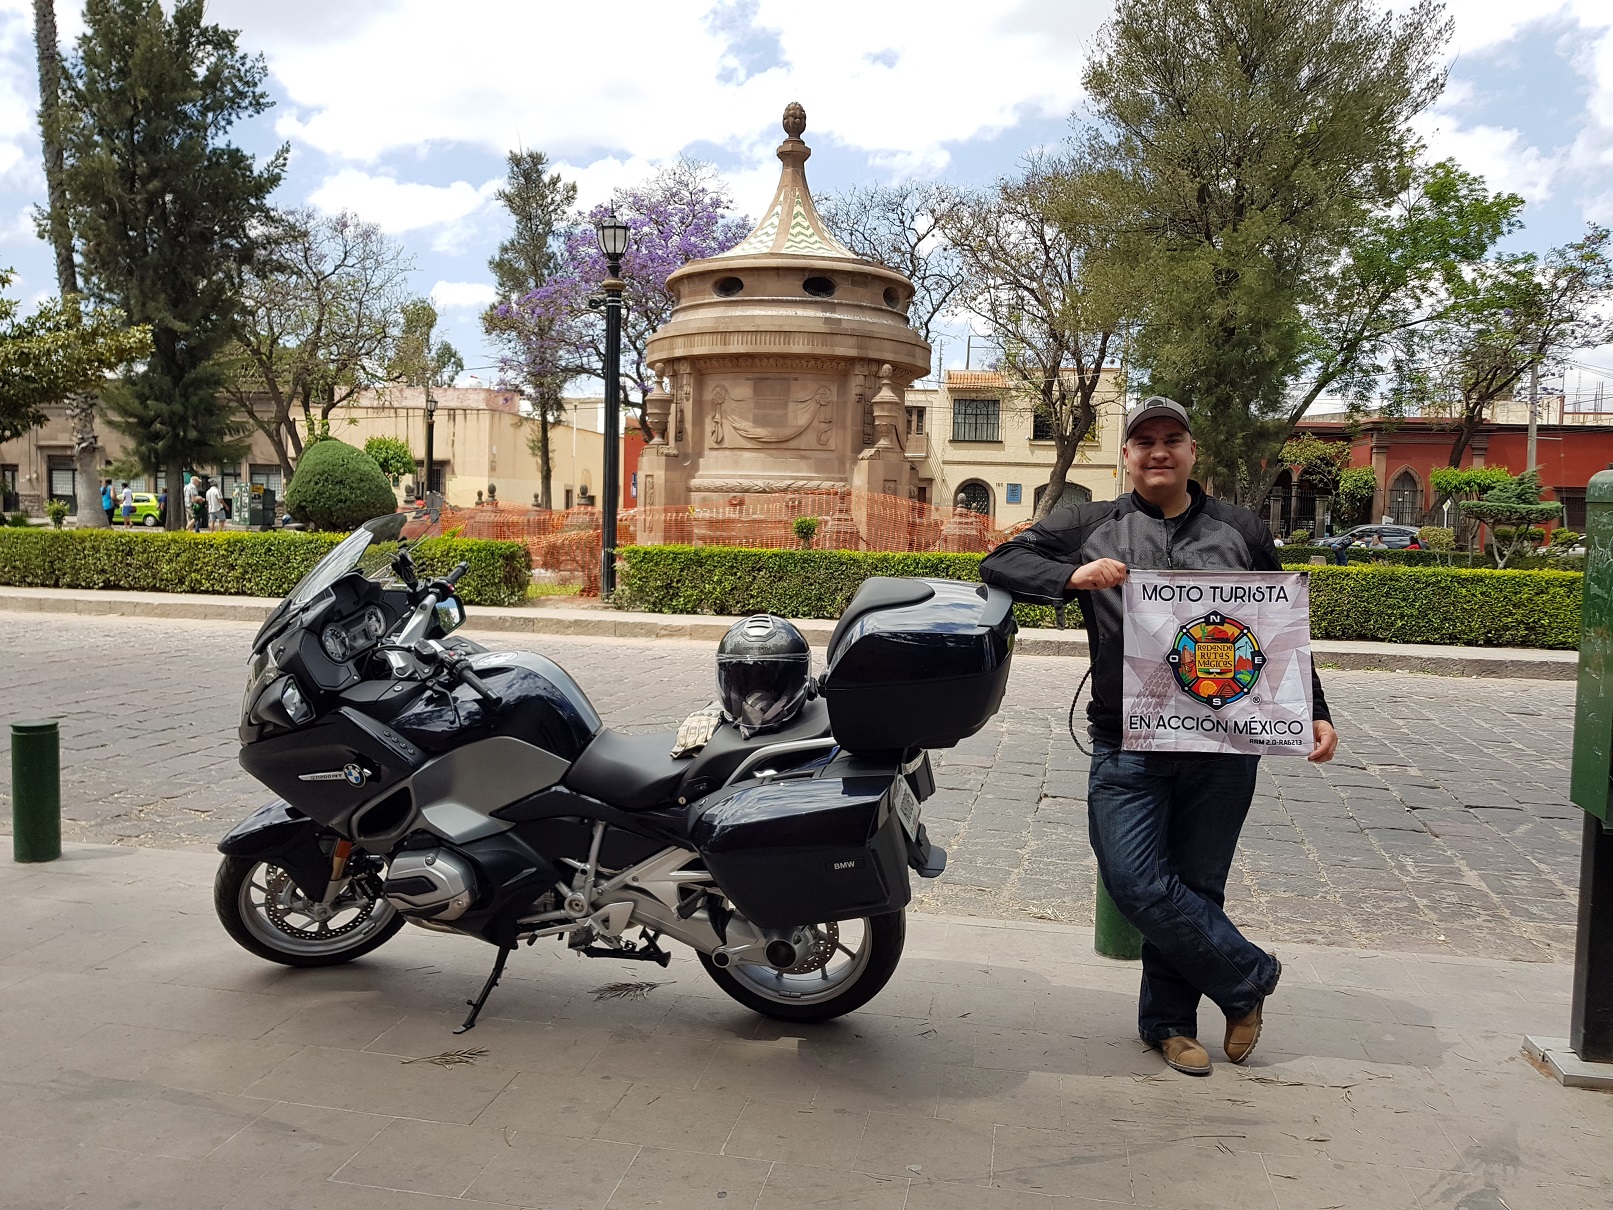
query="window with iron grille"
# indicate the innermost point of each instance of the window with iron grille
(1573, 502)
(1406, 499)
(976, 419)
(1042, 426)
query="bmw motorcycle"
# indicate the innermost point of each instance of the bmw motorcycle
(425, 779)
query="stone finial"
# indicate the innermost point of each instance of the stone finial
(794, 120)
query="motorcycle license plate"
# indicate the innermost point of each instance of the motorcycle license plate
(907, 807)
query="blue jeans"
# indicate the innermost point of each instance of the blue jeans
(1164, 828)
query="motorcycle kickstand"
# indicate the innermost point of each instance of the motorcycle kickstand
(487, 990)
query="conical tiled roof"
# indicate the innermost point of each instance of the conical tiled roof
(791, 225)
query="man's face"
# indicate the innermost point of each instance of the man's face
(1160, 454)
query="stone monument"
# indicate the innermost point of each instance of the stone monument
(782, 370)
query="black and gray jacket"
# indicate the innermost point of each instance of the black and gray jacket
(1210, 536)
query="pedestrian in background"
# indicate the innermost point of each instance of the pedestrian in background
(106, 499)
(126, 500)
(1164, 826)
(215, 507)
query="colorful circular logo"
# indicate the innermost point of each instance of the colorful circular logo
(1216, 659)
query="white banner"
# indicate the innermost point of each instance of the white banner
(1217, 661)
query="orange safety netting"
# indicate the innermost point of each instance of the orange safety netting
(568, 542)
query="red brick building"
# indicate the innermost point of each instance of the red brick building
(1570, 448)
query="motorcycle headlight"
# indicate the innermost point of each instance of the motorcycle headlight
(282, 704)
(297, 708)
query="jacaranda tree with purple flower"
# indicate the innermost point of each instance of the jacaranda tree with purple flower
(680, 214)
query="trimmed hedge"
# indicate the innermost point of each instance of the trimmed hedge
(1447, 605)
(233, 564)
(1389, 604)
(1363, 556)
(338, 487)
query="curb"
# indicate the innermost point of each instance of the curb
(1515, 662)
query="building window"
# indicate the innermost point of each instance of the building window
(267, 476)
(915, 422)
(62, 476)
(1406, 500)
(1073, 493)
(976, 420)
(8, 488)
(1573, 502)
(1041, 425)
(228, 477)
(976, 497)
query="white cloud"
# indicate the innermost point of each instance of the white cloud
(399, 205)
(1500, 156)
(450, 295)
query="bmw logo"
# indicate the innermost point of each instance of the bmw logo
(356, 775)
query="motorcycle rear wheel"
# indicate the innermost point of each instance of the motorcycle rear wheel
(259, 906)
(847, 978)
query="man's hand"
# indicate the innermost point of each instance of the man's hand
(1327, 742)
(1100, 573)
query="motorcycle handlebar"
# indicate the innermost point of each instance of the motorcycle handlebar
(478, 687)
(453, 577)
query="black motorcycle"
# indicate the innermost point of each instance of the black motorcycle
(427, 779)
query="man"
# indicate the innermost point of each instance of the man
(126, 497)
(1164, 826)
(215, 507)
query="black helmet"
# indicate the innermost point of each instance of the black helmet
(762, 667)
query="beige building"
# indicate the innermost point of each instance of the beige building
(480, 439)
(975, 438)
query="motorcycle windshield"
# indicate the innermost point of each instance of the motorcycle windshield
(343, 557)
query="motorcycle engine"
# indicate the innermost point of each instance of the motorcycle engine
(436, 884)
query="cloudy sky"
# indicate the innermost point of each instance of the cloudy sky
(402, 110)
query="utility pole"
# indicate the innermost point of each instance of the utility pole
(613, 235)
(1534, 409)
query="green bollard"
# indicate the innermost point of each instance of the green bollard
(36, 791)
(1114, 936)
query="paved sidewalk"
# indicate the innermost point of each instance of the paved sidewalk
(149, 1062)
(598, 622)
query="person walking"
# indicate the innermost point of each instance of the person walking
(215, 507)
(106, 499)
(1164, 826)
(126, 504)
(198, 505)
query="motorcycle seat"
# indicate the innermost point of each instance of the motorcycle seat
(632, 772)
(635, 772)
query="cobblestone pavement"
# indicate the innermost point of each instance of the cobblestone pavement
(1443, 826)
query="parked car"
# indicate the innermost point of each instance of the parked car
(146, 511)
(1395, 537)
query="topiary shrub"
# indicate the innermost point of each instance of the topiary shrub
(1300, 536)
(337, 487)
(806, 528)
(1436, 538)
(1563, 537)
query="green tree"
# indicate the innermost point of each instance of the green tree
(392, 455)
(319, 315)
(539, 202)
(1031, 265)
(337, 487)
(56, 354)
(1515, 504)
(163, 210)
(417, 360)
(1456, 486)
(1244, 149)
(54, 226)
(1513, 313)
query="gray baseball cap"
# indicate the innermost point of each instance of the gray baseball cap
(1154, 408)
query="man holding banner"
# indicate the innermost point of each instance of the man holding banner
(1200, 647)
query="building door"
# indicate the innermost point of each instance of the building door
(63, 475)
(976, 497)
(8, 488)
(1406, 499)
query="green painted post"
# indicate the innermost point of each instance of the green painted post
(1590, 1031)
(36, 791)
(1114, 936)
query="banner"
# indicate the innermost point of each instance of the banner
(1217, 661)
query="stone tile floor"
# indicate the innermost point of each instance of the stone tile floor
(148, 1062)
(1444, 825)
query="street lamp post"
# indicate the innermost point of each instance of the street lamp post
(431, 425)
(613, 243)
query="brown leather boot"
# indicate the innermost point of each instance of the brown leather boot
(1185, 1055)
(1244, 1032)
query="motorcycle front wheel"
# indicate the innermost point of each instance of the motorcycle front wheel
(850, 965)
(261, 908)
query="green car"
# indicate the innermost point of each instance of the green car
(145, 513)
